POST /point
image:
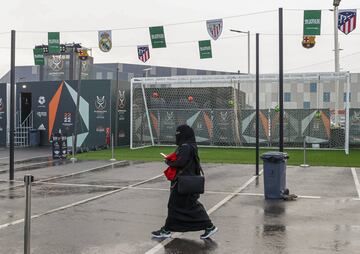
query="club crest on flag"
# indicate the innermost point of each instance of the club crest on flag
(347, 20)
(105, 43)
(308, 42)
(143, 52)
(214, 28)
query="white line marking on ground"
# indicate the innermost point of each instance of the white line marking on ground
(161, 245)
(224, 192)
(80, 202)
(80, 172)
(63, 176)
(356, 180)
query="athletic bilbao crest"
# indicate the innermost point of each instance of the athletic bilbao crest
(347, 20)
(143, 53)
(214, 28)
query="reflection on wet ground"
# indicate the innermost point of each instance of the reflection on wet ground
(186, 246)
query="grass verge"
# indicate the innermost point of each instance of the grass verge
(232, 155)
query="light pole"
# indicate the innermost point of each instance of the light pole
(146, 71)
(336, 4)
(248, 34)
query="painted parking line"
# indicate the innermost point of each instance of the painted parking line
(80, 202)
(160, 246)
(356, 180)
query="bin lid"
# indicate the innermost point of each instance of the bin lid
(275, 156)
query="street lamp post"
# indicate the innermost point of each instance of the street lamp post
(336, 4)
(248, 34)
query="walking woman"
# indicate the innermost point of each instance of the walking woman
(185, 212)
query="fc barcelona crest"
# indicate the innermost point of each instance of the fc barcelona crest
(308, 42)
(143, 53)
(105, 43)
(347, 20)
(214, 28)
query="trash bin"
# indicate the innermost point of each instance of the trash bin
(274, 174)
(34, 137)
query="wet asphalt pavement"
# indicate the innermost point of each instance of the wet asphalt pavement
(103, 208)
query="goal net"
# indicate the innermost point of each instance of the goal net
(221, 110)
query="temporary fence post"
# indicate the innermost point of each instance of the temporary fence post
(28, 179)
(304, 165)
(73, 159)
(112, 148)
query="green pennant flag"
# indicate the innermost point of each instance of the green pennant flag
(54, 42)
(39, 56)
(157, 37)
(205, 49)
(312, 22)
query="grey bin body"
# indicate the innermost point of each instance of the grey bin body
(34, 137)
(274, 174)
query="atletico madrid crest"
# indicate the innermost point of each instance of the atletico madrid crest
(347, 20)
(214, 28)
(143, 52)
(308, 42)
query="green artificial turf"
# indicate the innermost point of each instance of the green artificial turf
(232, 155)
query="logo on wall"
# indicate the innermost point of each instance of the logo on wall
(41, 100)
(41, 114)
(1, 104)
(121, 105)
(67, 117)
(56, 63)
(84, 66)
(100, 129)
(100, 105)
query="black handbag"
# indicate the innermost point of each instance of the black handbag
(192, 184)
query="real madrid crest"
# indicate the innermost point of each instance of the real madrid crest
(105, 43)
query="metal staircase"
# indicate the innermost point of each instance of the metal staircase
(22, 129)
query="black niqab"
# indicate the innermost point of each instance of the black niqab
(184, 134)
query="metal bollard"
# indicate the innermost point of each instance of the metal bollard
(28, 179)
(304, 165)
(112, 148)
(73, 159)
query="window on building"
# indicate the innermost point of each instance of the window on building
(109, 75)
(99, 75)
(326, 97)
(345, 97)
(287, 97)
(306, 104)
(313, 87)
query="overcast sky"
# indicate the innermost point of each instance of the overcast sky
(229, 51)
